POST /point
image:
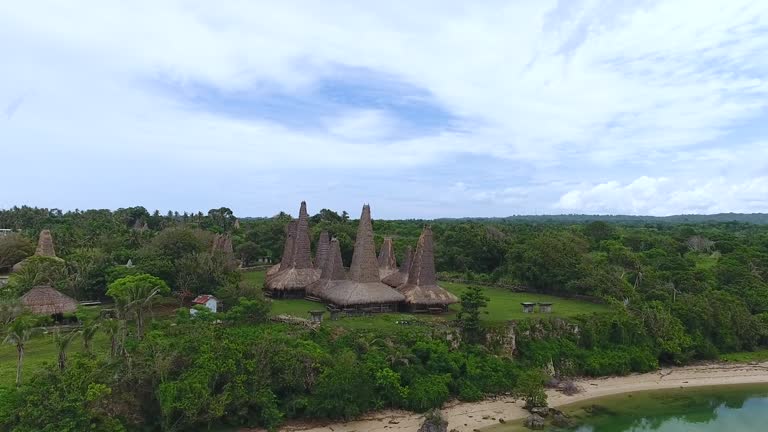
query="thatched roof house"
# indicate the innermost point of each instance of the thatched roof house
(323, 246)
(401, 276)
(45, 244)
(44, 248)
(290, 232)
(421, 290)
(387, 262)
(298, 272)
(363, 289)
(333, 271)
(44, 300)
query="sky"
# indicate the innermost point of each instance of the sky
(423, 109)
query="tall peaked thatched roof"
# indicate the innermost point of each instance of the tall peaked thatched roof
(45, 244)
(44, 300)
(323, 245)
(222, 243)
(364, 266)
(333, 270)
(295, 271)
(421, 287)
(401, 276)
(364, 286)
(287, 257)
(387, 262)
(302, 249)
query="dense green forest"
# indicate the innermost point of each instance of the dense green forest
(679, 290)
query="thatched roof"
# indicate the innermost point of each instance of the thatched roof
(290, 235)
(302, 249)
(292, 279)
(387, 263)
(45, 300)
(45, 244)
(333, 271)
(323, 245)
(401, 276)
(296, 271)
(421, 287)
(364, 285)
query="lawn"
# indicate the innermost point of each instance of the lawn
(746, 356)
(504, 305)
(39, 351)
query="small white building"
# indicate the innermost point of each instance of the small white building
(207, 300)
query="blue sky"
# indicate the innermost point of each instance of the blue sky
(423, 109)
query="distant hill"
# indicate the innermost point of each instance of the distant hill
(753, 218)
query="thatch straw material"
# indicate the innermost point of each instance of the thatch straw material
(45, 244)
(333, 271)
(421, 288)
(401, 276)
(387, 263)
(364, 286)
(296, 271)
(323, 245)
(45, 300)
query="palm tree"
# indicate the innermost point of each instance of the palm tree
(138, 293)
(20, 330)
(62, 341)
(89, 332)
(112, 328)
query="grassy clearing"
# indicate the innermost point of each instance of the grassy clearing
(38, 352)
(503, 306)
(746, 356)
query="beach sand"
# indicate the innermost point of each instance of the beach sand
(468, 417)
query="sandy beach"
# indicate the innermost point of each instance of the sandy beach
(467, 417)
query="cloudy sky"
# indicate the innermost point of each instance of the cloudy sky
(422, 108)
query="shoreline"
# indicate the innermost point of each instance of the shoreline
(471, 416)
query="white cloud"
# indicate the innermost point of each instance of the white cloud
(650, 106)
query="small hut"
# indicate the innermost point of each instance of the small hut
(387, 262)
(421, 291)
(401, 276)
(297, 273)
(545, 307)
(363, 290)
(528, 307)
(44, 300)
(206, 300)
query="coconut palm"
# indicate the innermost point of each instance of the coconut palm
(19, 331)
(62, 340)
(138, 293)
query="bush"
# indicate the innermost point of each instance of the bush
(427, 392)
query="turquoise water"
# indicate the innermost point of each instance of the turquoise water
(712, 409)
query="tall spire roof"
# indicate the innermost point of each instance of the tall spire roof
(334, 267)
(401, 276)
(45, 244)
(387, 255)
(333, 270)
(302, 250)
(290, 234)
(364, 266)
(421, 288)
(422, 271)
(323, 245)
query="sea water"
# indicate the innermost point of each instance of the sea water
(711, 409)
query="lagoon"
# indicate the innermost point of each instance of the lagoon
(707, 409)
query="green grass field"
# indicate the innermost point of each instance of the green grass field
(39, 351)
(504, 305)
(746, 356)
